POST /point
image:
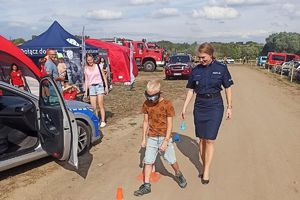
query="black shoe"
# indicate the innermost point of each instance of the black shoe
(181, 180)
(143, 189)
(204, 182)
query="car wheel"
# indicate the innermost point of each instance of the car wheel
(149, 66)
(167, 78)
(84, 137)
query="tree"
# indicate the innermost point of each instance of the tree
(18, 41)
(282, 42)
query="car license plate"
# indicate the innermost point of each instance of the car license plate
(177, 74)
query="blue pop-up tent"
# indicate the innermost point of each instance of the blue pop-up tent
(55, 37)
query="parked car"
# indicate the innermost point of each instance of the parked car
(275, 59)
(284, 68)
(32, 127)
(226, 60)
(297, 73)
(229, 60)
(295, 67)
(179, 66)
(261, 60)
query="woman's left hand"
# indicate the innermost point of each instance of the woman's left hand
(106, 91)
(228, 113)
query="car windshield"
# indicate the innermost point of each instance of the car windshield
(263, 58)
(180, 59)
(277, 57)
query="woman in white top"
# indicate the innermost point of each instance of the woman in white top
(95, 82)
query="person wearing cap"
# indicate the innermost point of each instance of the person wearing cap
(206, 82)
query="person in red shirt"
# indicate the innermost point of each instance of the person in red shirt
(16, 77)
(70, 91)
(42, 66)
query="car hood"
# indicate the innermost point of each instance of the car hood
(77, 105)
(178, 64)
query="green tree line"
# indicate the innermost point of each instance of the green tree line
(235, 50)
(277, 42)
(282, 42)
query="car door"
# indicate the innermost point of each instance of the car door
(57, 125)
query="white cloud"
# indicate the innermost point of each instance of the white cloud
(103, 14)
(166, 12)
(237, 34)
(17, 24)
(146, 2)
(291, 10)
(141, 2)
(216, 12)
(241, 2)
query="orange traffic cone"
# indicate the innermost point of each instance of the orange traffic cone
(119, 195)
(154, 177)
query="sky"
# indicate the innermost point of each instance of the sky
(155, 20)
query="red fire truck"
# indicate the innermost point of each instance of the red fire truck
(146, 58)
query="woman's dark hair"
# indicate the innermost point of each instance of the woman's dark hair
(98, 59)
(88, 55)
(13, 64)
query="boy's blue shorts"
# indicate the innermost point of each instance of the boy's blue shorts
(152, 149)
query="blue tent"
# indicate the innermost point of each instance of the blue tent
(55, 37)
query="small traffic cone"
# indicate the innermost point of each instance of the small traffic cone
(119, 195)
(154, 177)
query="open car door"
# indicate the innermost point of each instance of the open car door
(57, 128)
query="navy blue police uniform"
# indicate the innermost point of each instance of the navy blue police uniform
(207, 82)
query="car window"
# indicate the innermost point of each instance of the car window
(49, 96)
(180, 59)
(12, 104)
(277, 57)
(140, 46)
(4, 73)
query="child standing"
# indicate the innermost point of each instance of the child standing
(158, 119)
(16, 77)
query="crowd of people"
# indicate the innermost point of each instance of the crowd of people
(95, 84)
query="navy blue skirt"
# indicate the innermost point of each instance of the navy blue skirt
(208, 115)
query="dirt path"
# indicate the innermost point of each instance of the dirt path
(257, 153)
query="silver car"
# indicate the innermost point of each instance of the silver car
(32, 127)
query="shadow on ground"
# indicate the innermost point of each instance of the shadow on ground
(84, 164)
(189, 147)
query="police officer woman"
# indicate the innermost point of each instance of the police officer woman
(206, 81)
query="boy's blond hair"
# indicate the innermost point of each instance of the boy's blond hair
(153, 85)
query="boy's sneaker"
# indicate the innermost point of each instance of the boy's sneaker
(143, 189)
(102, 124)
(181, 180)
